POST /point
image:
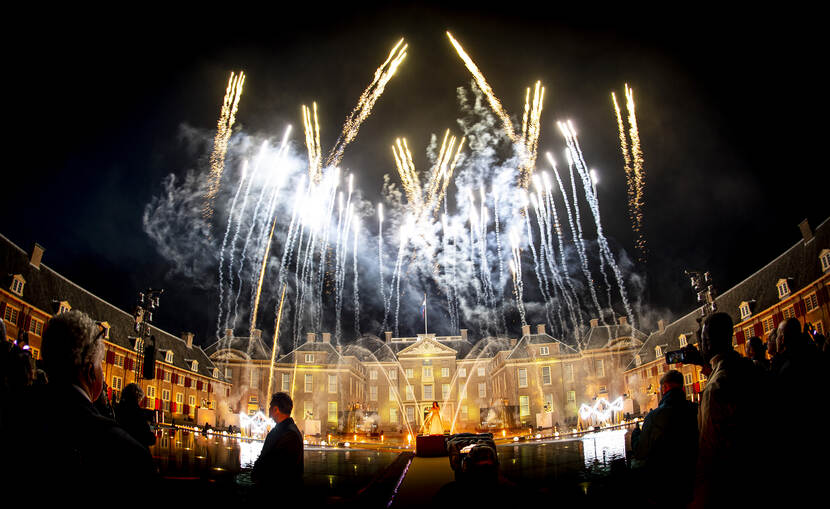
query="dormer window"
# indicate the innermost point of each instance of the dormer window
(658, 351)
(544, 350)
(744, 309)
(194, 366)
(215, 372)
(637, 360)
(824, 258)
(168, 357)
(783, 288)
(63, 307)
(17, 284)
(683, 340)
(309, 357)
(105, 329)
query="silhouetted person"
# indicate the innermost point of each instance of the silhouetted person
(757, 352)
(102, 404)
(729, 421)
(77, 450)
(665, 450)
(279, 468)
(134, 419)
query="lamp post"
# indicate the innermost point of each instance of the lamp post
(148, 302)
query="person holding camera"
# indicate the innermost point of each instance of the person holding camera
(665, 450)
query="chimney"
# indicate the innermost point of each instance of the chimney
(464, 334)
(525, 330)
(661, 325)
(37, 255)
(187, 337)
(594, 322)
(327, 337)
(806, 231)
(388, 335)
(229, 334)
(540, 329)
(256, 334)
(310, 337)
(623, 320)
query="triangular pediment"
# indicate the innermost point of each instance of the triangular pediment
(427, 345)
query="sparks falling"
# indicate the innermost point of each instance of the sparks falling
(634, 172)
(224, 126)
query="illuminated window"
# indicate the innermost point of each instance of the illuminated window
(410, 414)
(194, 366)
(637, 360)
(11, 314)
(119, 361)
(819, 327)
(393, 374)
(462, 372)
(744, 309)
(191, 400)
(410, 393)
(783, 288)
(683, 340)
(769, 324)
(36, 327)
(309, 383)
(17, 284)
(373, 393)
(825, 260)
(445, 372)
(569, 372)
(309, 358)
(116, 383)
(546, 379)
(63, 307)
(603, 389)
(427, 372)
(462, 391)
(445, 391)
(811, 302)
(373, 374)
(168, 357)
(549, 402)
(333, 412)
(524, 406)
(165, 395)
(688, 378)
(544, 350)
(254, 379)
(482, 390)
(179, 398)
(480, 371)
(410, 373)
(522, 377)
(393, 415)
(308, 410)
(166, 376)
(600, 367)
(332, 384)
(571, 396)
(789, 312)
(286, 382)
(749, 332)
(427, 391)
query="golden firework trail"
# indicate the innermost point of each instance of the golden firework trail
(531, 126)
(495, 104)
(224, 129)
(634, 172)
(427, 200)
(367, 101)
(262, 276)
(275, 346)
(312, 143)
(531, 130)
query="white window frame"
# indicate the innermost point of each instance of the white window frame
(168, 357)
(118, 360)
(658, 351)
(544, 350)
(744, 310)
(332, 412)
(599, 367)
(462, 372)
(445, 372)
(308, 383)
(521, 377)
(393, 415)
(36, 326)
(571, 396)
(309, 358)
(481, 371)
(17, 284)
(811, 302)
(824, 259)
(332, 384)
(11, 315)
(286, 382)
(410, 373)
(308, 409)
(482, 390)
(683, 341)
(117, 383)
(166, 375)
(179, 398)
(789, 312)
(602, 389)
(254, 378)
(428, 391)
(569, 372)
(445, 392)
(426, 374)
(410, 393)
(549, 401)
(783, 288)
(373, 393)
(547, 379)
(373, 374)
(151, 391)
(524, 406)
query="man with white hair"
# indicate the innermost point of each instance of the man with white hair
(72, 444)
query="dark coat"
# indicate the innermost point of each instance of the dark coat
(666, 447)
(135, 421)
(73, 447)
(281, 461)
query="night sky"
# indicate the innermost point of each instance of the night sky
(729, 108)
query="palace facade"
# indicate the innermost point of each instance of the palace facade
(185, 385)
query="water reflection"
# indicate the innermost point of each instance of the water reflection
(604, 447)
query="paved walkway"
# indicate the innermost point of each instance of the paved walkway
(423, 480)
